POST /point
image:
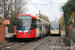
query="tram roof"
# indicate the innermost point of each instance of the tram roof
(41, 19)
(55, 22)
(32, 16)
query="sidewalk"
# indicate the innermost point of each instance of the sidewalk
(10, 35)
(62, 32)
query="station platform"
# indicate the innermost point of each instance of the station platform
(62, 32)
(10, 35)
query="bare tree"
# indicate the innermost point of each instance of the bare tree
(12, 7)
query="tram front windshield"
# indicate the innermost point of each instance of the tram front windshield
(23, 22)
(54, 26)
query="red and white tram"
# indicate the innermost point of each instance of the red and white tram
(29, 26)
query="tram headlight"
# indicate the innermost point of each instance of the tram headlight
(28, 32)
(18, 33)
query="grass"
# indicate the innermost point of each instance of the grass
(1, 43)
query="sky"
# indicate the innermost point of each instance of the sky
(50, 8)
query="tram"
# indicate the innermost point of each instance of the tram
(30, 26)
(55, 28)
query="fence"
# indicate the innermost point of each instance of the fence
(11, 29)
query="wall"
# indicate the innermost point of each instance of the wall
(2, 33)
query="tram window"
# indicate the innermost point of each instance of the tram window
(57, 28)
(40, 27)
(52, 28)
(49, 26)
(33, 21)
(46, 26)
(43, 24)
(37, 26)
(33, 25)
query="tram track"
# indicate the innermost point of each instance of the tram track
(40, 43)
(48, 44)
(57, 44)
(15, 45)
(54, 43)
(7, 45)
(20, 45)
(33, 44)
(11, 46)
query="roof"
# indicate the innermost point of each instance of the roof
(32, 16)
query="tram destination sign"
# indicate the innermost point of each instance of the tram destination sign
(23, 17)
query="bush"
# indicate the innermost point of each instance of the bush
(68, 9)
(67, 40)
(0, 23)
(1, 43)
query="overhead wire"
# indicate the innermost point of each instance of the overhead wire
(33, 10)
(36, 7)
(48, 6)
(53, 9)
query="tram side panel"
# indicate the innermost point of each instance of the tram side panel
(38, 28)
(46, 27)
(49, 28)
(59, 29)
(43, 29)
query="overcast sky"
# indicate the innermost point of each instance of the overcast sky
(51, 10)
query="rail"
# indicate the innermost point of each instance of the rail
(54, 43)
(40, 43)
